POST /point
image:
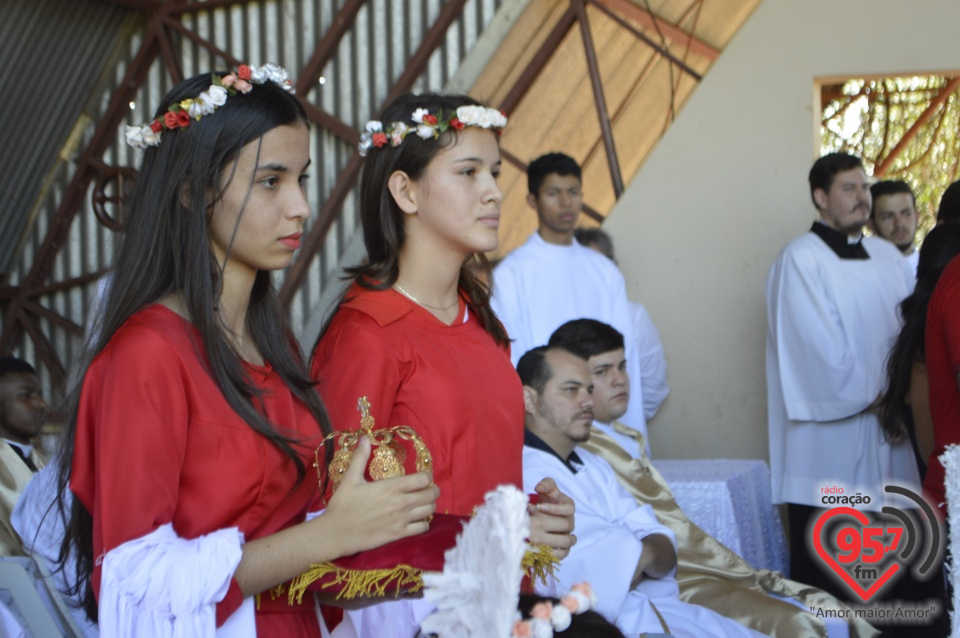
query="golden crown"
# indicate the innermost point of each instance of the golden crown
(389, 454)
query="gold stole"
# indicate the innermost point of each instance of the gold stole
(14, 476)
(710, 574)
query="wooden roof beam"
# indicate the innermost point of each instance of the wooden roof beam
(539, 60)
(670, 31)
(662, 50)
(603, 114)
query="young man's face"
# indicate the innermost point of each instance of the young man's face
(558, 205)
(895, 219)
(22, 408)
(846, 206)
(611, 385)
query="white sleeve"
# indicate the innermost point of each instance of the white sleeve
(653, 364)
(164, 586)
(639, 519)
(507, 303)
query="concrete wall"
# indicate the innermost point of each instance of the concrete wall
(726, 188)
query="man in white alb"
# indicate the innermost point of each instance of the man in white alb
(622, 550)
(894, 217)
(653, 363)
(832, 298)
(552, 278)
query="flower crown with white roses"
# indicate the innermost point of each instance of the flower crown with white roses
(546, 618)
(427, 125)
(181, 114)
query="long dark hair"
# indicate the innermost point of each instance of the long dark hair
(165, 248)
(382, 219)
(940, 246)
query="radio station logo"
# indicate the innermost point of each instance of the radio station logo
(871, 550)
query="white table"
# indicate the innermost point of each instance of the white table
(730, 500)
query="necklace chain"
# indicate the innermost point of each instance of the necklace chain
(420, 303)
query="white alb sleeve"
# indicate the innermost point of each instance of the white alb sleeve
(164, 586)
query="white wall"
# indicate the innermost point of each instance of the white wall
(726, 188)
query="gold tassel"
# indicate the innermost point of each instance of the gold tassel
(275, 593)
(539, 562)
(371, 583)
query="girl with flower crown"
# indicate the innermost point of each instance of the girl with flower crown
(194, 426)
(415, 332)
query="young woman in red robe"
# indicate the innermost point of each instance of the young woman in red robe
(415, 333)
(191, 439)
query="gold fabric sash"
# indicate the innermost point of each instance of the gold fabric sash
(14, 476)
(709, 573)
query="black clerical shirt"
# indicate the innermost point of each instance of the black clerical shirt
(839, 242)
(573, 463)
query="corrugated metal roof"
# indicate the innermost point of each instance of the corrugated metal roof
(369, 59)
(53, 54)
(643, 91)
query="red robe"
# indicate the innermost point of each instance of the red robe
(942, 344)
(452, 384)
(158, 443)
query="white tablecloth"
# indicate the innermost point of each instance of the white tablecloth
(730, 500)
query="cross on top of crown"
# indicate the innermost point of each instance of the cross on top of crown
(366, 420)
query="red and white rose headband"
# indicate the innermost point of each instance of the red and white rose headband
(181, 114)
(428, 125)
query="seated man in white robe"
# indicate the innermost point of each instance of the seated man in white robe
(552, 278)
(708, 573)
(621, 549)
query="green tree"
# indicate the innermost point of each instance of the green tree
(903, 127)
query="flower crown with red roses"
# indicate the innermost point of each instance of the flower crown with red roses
(181, 114)
(427, 125)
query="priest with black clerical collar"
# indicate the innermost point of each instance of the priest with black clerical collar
(832, 297)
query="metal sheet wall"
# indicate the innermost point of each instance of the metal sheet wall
(52, 54)
(355, 82)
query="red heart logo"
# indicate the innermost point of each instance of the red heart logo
(864, 594)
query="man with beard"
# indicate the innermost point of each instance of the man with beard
(553, 278)
(708, 573)
(832, 298)
(894, 217)
(22, 415)
(622, 550)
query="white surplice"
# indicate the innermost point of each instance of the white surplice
(610, 527)
(653, 365)
(540, 286)
(913, 259)
(830, 325)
